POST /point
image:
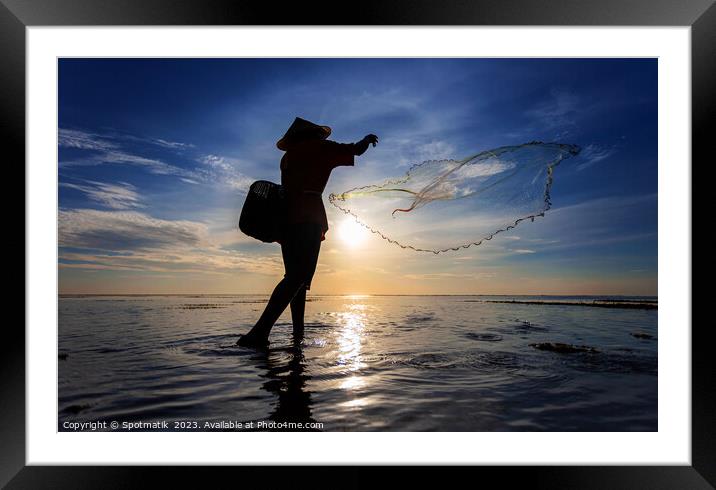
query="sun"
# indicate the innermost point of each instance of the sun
(352, 232)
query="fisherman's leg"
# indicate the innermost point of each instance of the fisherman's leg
(310, 247)
(300, 254)
(298, 308)
(282, 294)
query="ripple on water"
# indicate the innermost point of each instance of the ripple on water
(107, 350)
(220, 351)
(497, 361)
(430, 360)
(484, 361)
(421, 317)
(484, 337)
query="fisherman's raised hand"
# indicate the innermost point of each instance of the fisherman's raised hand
(362, 145)
(371, 139)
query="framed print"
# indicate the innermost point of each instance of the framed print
(446, 235)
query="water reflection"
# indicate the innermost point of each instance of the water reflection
(288, 382)
(352, 383)
(350, 352)
(287, 377)
(350, 338)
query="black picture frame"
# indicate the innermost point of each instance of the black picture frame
(16, 15)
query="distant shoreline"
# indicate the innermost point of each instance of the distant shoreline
(646, 297)
(603, 301)
(624, 303)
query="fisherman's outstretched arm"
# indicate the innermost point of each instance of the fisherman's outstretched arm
(361, 146)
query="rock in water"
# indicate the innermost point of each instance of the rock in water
(563, 348)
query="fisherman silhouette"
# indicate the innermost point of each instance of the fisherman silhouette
(305, 168)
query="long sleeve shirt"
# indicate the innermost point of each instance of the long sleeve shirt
(305, 169)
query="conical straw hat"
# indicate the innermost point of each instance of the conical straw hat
(300, 128)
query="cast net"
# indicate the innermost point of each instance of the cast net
(444, 205)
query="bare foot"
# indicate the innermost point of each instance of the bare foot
(253, 341)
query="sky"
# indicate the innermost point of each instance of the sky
(155, 157)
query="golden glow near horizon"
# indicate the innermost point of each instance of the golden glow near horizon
(352, 233)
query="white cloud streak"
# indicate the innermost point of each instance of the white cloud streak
(82, 140)
(214, 169)
(122, 231)
(223, 170)
(134, 241)
(121, 195)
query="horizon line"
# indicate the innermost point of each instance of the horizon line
(358, 294)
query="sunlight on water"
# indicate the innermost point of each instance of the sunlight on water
(357, 403)
(353, 383)
(350, 340)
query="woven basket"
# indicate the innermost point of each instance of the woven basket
(262, 215)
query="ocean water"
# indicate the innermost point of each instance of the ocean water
(373, 363)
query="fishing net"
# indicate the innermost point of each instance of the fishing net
(444, 205)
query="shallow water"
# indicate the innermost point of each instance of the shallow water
(376, 363)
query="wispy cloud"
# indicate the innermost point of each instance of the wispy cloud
(558, 112)
(121, 195)
(223, 171)
(107, 149)
(130, 240)
(594, 223)
(204, 261)
(74, 138)
(433, 150)
(152, 164)
(172, 144)
(83, 140)
(592, 154)
(125, 231)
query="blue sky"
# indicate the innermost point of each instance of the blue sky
(155, 157)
